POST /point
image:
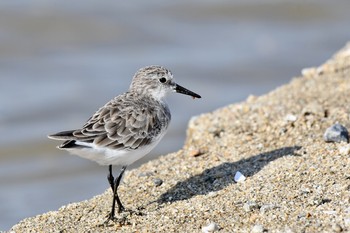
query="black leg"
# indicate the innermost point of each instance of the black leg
(114, 185)
(110, 178)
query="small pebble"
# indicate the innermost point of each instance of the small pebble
(336, 133)
(251, 98)
(320, 70)
(249, 206)
(211, 227)
(195, 153)
(347, 221)
(311, 71)
(239, 177)
(257, 229)
(212, 194)
(157, 182)
(283, 130)
(267, 207)
(313, 108)
(344, 150)
(337, 228)
(291, 118)
(260, 146)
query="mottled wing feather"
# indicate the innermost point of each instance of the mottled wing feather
(122, 123)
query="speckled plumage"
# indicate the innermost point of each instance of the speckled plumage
(128, 123)
(128, 126)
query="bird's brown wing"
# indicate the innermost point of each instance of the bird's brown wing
(123, 123)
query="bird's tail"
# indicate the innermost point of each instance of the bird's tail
(64, 135)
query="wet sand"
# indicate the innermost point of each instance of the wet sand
(295, 181)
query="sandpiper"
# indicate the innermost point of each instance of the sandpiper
(126, 128)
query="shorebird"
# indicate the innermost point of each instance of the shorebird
(127, 127)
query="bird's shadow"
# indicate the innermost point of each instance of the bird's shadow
(217, 178)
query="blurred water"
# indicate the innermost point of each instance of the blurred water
(61, 60)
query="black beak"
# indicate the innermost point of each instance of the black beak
(182, 90)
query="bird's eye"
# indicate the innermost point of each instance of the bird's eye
(162, 80)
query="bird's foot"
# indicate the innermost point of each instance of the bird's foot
(122, 218)
(112, 220)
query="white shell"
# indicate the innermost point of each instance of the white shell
(211, 227)
(239, 177)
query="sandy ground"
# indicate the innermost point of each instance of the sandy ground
(295, 181)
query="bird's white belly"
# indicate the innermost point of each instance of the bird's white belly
(106, 156)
